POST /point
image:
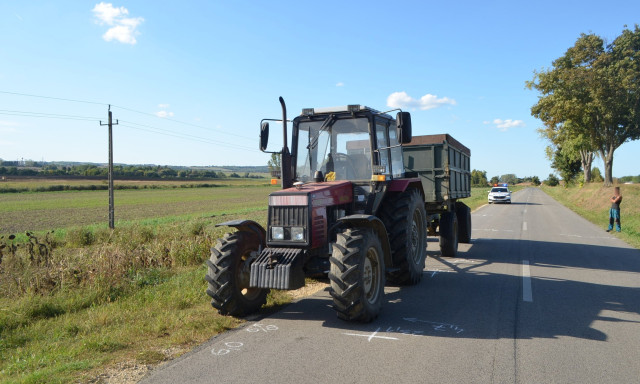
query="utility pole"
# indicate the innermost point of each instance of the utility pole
(111, 207)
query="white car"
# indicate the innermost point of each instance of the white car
(500, 194)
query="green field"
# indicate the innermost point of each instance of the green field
(40, 211)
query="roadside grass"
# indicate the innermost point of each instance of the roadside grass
(71, 336)
(592, 202)
(101, 297)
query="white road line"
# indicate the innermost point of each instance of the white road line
(372, 335)
(527, 295)
(524, 225)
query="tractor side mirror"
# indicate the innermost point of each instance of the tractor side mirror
(403, 124)
(264, 136)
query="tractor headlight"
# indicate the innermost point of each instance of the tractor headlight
(297, 233)
(277, 233)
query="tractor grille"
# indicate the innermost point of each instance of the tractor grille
(286, 216)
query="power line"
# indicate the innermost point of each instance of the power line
(182, 122)
(126, 109)
(52, 98)
(46, 115)
(183, 136)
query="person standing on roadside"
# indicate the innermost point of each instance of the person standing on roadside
(614, 212)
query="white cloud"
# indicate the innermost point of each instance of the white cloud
(505, 125)
(163, 106)
(426, 102)
(164, 114)
(123, 28)
(340, 84)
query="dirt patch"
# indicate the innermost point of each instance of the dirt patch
(308, 290)
(126, 372)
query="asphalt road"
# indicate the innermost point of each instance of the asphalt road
(539, 296)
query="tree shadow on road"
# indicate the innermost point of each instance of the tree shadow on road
(479, 294)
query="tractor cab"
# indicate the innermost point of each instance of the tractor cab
(352, 143)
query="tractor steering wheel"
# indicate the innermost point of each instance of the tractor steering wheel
(343, 159)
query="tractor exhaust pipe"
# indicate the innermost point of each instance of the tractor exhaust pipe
(285, 161)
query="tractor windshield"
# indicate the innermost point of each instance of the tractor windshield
(341, 150)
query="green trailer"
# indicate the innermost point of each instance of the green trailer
(442, 164)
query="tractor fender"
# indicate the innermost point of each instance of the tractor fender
(247, 225)
(370, 221)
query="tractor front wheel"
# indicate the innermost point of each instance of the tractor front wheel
(228, 275)
(357, 275)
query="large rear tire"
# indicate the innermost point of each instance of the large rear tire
(463, 214)
(228, 275)
(357, 275)
(448, 234)
(405, 219)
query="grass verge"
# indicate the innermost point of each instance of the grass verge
(592, 202)
(72, 336)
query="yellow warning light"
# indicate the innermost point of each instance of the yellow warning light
(274, 181)
(378, 178)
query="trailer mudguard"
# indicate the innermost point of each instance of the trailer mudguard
(371, 221)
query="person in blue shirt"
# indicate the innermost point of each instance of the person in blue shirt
(614, 212)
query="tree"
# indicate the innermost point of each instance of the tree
(552, 180)
(535, 180)
(567, 165)
(509, 178)
(479, 178)
(274, 162)
(596, 175)
(494, 180)
(593, 93)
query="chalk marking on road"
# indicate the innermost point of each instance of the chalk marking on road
(493, 230)
(372, 335)
(524, 225)
(437, 326)
(230, 346)
(435, 271)
(527, 294)
(257, 327)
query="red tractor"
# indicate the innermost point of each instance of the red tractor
(358, 199)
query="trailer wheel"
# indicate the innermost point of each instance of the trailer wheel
(405, 220)
(357, 275)
(448, 234)
(228, 275)
(463, 214)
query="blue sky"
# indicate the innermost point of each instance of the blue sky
(189, 82)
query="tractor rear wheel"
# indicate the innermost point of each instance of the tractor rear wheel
(228, 275)
(448, 234)
(357, 275)
(405, 220)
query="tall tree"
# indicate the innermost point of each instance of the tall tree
(479, 178)
(274, 162)
(592, 94)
